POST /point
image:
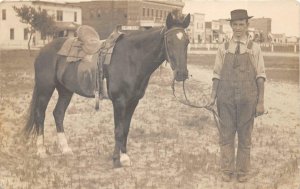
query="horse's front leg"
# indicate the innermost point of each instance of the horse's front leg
(122, 115)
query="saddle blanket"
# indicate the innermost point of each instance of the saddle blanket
(80, 76)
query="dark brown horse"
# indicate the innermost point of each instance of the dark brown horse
(136, 56)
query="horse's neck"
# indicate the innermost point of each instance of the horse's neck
(152, 49)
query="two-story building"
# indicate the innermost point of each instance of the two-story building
(15, 34)
(105, 15)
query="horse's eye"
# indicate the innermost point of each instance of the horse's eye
(187, 41)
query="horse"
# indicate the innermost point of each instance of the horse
(135, 57)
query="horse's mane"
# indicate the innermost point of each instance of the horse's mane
(145, 36)
(142, 33)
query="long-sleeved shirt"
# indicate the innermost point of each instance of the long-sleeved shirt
(255, 57)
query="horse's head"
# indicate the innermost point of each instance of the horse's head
(176, 42)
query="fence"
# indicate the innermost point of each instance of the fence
(266, 47)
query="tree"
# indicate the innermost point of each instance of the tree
(37, 20)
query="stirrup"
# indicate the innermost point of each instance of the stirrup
(97, 107)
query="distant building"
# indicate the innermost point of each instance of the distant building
(262, 25)
(14, 34)
(225, 30)
(196, 29)
(217, 31)
(105, 15)
(291, 39)
(278, 38)
(208, 32)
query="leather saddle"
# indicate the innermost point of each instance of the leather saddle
(82, 71)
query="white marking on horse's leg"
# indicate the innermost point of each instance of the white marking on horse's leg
(41, 150)
(63, 144)
(125, 160)
(105, 94)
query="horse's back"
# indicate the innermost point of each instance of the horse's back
(45, 64)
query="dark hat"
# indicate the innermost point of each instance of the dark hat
(239, 14)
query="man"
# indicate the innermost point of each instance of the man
(238, 87)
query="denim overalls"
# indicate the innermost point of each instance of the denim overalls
(236, 103)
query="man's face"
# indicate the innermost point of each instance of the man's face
(239, 27)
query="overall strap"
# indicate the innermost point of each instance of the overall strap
(250, 44)
(226, 45)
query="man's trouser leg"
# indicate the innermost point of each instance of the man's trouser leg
(227, 113)
(244, 128)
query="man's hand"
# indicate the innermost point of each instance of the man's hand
(260, 109)
(211, 102)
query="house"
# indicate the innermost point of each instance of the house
(15, 35)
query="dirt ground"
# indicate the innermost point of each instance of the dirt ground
(170, 145)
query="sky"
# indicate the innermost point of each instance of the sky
(285, 14)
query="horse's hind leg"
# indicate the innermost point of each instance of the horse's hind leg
(63, 102)
(43, 97)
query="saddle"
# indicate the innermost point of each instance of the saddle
(85, 58)
(87, 44)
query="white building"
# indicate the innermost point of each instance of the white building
(291, 39)
(196, 29)
(15, 35)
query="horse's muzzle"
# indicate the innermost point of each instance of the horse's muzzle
(181, 75)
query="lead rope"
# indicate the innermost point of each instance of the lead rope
(217, 119)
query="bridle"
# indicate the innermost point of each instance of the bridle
(168, 59)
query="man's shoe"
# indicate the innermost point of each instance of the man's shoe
(226, 177)
(242, 178)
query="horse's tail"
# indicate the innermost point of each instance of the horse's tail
(30, 127)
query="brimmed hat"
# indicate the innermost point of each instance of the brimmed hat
(239, 14)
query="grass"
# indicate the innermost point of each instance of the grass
(277, 68)
(170, 145)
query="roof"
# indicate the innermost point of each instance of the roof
(66, 26)
(41, 2)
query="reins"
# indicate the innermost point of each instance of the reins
(187, 102)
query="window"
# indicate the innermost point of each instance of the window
(3, 14)
(156, 15)
(26, 31)
(144, 11)
(43, 36)
(148, 12)
(75, 16)
(12, 34)
(161, 13)
(152, 12)
(59, 15)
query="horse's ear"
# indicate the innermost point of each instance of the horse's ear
(186, 21)
(169, 21)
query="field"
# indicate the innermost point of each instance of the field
(170, 145)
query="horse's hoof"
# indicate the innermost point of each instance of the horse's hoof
(125, 160)
(117, 164)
